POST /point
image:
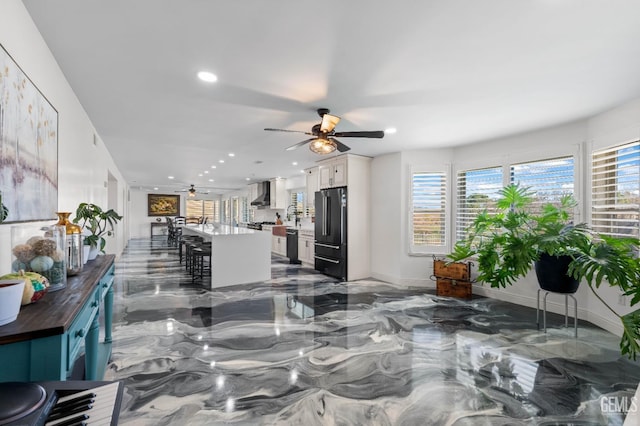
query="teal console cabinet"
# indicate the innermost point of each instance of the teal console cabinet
(45, 340)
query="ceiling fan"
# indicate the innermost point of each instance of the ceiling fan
(324, 135)
(192, 191)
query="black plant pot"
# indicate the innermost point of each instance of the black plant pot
(552, 274)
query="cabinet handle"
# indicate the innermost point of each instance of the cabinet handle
(80, 333)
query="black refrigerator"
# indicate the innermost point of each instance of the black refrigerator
(331, 232)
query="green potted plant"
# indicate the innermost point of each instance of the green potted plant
(507, 242)
(96, 223)
(4, 211)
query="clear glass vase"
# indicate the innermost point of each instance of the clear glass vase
(41, 250)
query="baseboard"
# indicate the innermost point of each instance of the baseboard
(554, 304)
(405, 282)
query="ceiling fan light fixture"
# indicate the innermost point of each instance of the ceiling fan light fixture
(322, 146)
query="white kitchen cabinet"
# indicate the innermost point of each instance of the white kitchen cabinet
(333, 172)
(305, 246)
(279, 245)
(278, 194)
(313, 185)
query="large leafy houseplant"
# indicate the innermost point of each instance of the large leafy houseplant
(508, 240)
(96, 222)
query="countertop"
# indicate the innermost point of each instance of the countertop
(220, 230)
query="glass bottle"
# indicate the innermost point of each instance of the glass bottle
(73, 243)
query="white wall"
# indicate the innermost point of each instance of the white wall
(83, 168)
(386, 214)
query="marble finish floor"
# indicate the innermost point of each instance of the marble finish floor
(303, 349)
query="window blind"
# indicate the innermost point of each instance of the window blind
(203, 208)
(428, 204)
(296, 204)
(548, 179)
(615, 190)
(477, 190)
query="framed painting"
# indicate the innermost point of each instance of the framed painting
(28, 146)
(163, 205)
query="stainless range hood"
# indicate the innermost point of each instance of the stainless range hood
(264, 195)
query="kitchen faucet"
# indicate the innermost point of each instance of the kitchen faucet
(295, 214)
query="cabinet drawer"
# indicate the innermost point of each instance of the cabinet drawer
(80, 327)
(106, 282)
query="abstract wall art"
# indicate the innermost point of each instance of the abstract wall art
(28, 146)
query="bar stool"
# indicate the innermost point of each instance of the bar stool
(201, 255)
(187, 241)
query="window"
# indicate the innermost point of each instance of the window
(477, 191)
(209, 209)
(246, 212)
(615, 190)
(428, 212)
(225, 216)
(548, 179)
(296, 205)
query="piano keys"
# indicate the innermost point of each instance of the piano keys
(75, 403)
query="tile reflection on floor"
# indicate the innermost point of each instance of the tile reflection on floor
(305, 349)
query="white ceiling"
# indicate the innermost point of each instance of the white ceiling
(444, 73)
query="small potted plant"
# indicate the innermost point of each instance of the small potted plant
(96, 224)
(509, 241)
(4, 211)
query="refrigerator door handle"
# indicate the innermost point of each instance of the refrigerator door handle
(328, 246)
(324, 214)
(326, 259)
(343, 205)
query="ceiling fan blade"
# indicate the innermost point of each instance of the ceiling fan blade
(375, 134)
(299, 144)
(339, 145)
(268, 129)
(328, 123)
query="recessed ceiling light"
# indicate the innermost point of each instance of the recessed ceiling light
(207, 76)
(231, 154)
(171, 177)
(295, 163)
(391, 130)
(155, 189)
(213, 167)
(206, 172)
(210, 180)
(220, 161)
(199, 174)
(302, 171)
(247, 178)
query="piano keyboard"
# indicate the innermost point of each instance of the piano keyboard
(71, 403)
(91, 407)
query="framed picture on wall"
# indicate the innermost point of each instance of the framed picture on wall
(163, 205)
(28, 146)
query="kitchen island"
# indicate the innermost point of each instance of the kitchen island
(238, 255)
